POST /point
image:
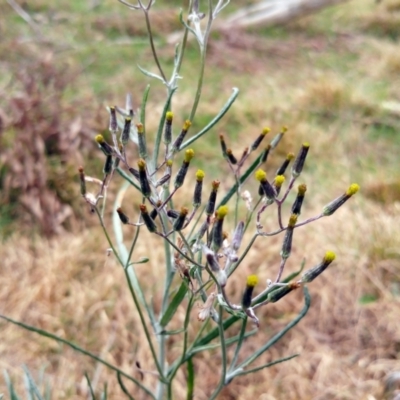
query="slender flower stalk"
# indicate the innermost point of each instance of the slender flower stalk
(244, 156)
(117, 159)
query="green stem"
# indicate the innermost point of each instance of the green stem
(247, 249)
(169, 274)
(134, 297)
(237, 202)
(190, 380)
(183, 45)
(153, 49)
(223, 356)
(279, 335)
(123, 388)
(172, 374)
(177, 362)
(199, 84)
(203, 49)
(239, 345)
(253, 370)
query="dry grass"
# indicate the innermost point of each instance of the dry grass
(69, 286)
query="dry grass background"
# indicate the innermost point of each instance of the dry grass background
(330, 87)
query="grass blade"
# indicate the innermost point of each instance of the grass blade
(32, 388)
(10, 387)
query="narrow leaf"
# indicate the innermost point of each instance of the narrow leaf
(214, 332)
(150, 74)
(173, 306)
(143, 107)
(128, 178)
(213, 122)
(270, 364)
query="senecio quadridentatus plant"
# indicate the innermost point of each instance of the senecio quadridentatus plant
(197, 246)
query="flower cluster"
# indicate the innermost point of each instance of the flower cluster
(218, 256)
